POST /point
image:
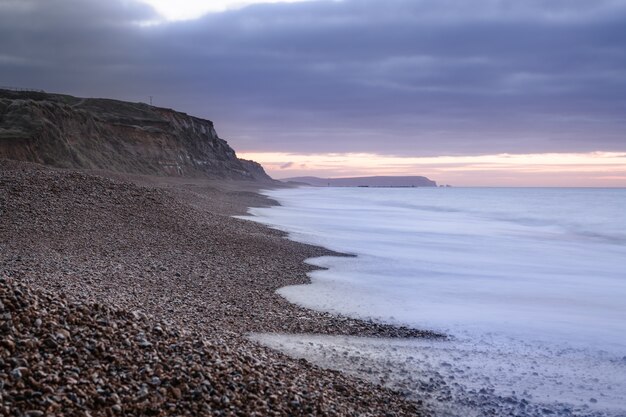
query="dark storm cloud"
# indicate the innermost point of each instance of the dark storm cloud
(402, 77)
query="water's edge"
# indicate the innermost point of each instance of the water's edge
(451, 379)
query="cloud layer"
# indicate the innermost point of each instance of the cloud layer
(401, 77)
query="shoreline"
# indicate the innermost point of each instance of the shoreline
(470, 373)
(168, 247)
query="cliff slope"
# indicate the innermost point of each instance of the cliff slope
(71, 132)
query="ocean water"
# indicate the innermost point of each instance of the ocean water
(529, 283)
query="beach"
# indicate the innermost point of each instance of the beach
(312, 208)
(168, 252)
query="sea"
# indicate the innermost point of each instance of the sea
(527, 284)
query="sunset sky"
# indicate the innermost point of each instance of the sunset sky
(467, 92)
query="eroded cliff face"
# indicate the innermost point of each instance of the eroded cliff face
(71, 132)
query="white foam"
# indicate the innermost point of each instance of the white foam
(452, 378)
(524, 270)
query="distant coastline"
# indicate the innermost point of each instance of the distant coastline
(373, 181)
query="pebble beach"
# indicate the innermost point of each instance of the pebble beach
(134, 295)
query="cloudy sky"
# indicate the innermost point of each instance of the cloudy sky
(469, 92)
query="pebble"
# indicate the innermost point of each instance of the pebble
(92, 261)
(185, 371)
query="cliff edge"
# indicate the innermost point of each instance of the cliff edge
(86, 133)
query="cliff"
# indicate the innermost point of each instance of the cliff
(380, 181)
(71, 132)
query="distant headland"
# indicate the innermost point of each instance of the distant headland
(376, 181)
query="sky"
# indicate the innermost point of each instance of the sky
(467, 92)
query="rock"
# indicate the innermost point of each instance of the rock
(16, 373)
(62, 334)
(144, 343)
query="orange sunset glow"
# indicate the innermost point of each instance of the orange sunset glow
(596, 169)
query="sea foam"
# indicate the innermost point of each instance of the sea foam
(509, 274)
